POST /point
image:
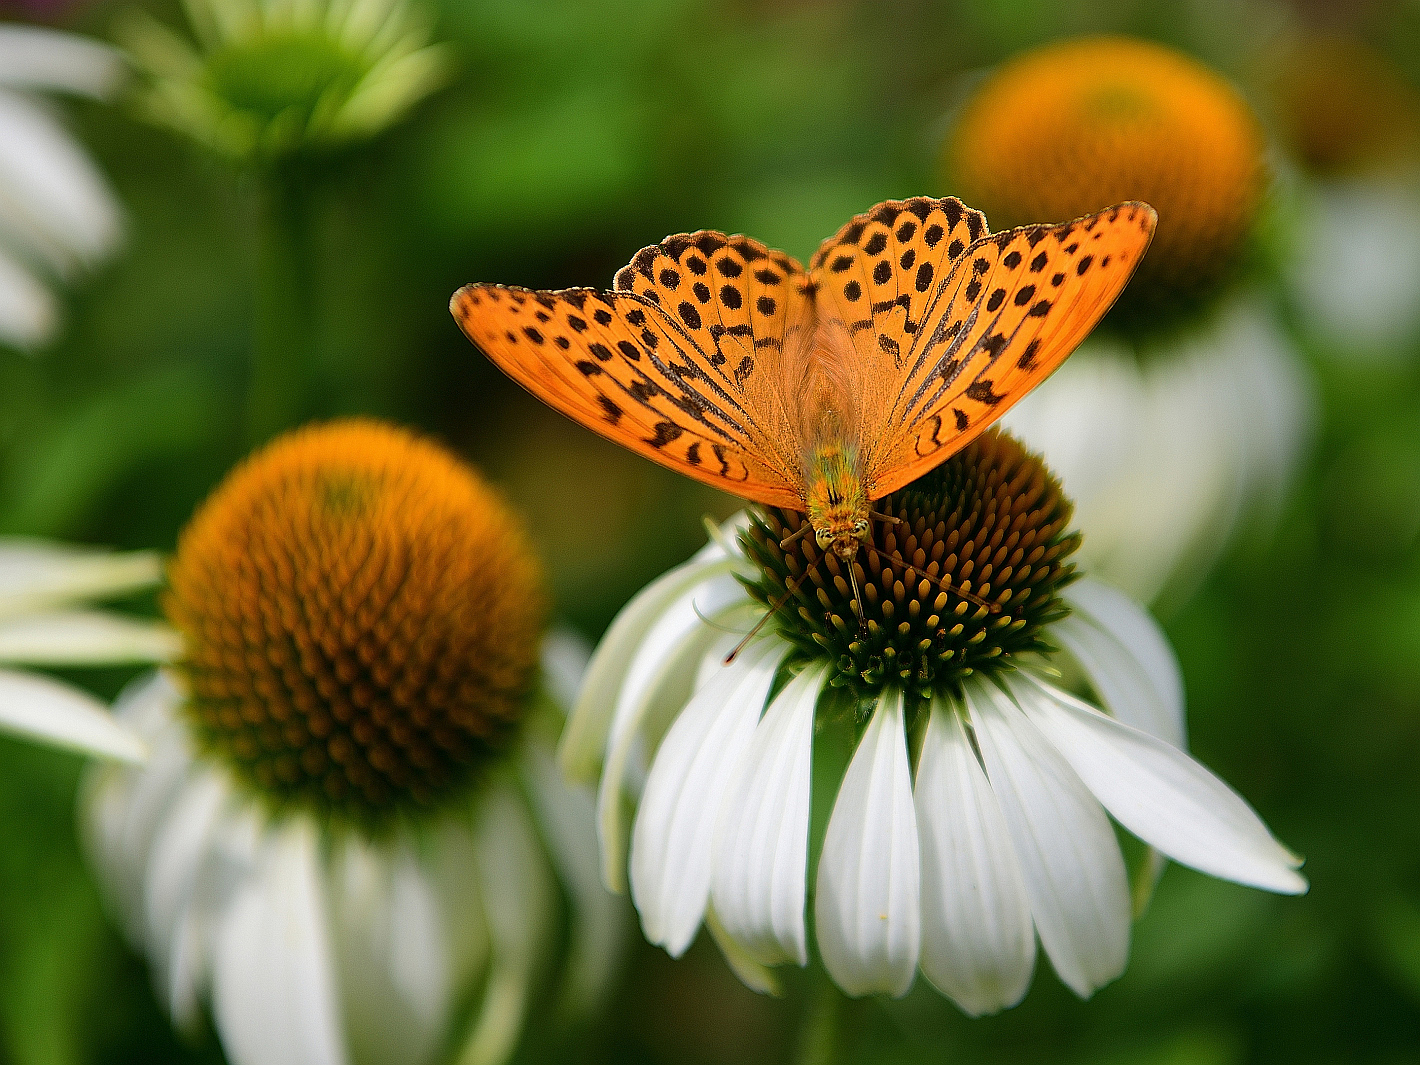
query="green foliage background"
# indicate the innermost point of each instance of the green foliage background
(573, 134)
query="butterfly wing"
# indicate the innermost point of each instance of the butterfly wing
(1010, 310)
(676, 364)
(873, 282)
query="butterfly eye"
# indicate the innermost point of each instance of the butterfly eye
(860, 527)
(823, 536)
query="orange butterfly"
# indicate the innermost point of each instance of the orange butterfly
(912, 331)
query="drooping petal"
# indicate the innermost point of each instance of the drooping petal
(390, 938)
(867, 906)
(978, 940)
(1069, 858)
(40, 575)
(56, 201)
(518, 902)
(61, 714)
(86, 637)
(759, 866)
(182, 847)
(1161, 794)
(753, 974)
(567, 816)
(1126, 657)
(660, 672)
(584, 740)
(674, 832)
(273, 991)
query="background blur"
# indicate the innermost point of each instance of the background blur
(572, 134)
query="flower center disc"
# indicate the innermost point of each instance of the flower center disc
(991, 521)
(361, 619)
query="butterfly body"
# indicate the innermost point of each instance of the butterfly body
(816, 390)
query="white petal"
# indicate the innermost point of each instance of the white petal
(585, 737)
(674, 832)
(567, 816)
(41, 575)
(1161, 794)
(123, 807)
(32, 57)
(29, 313)
(978, 941)
(759, 866)
(273, 993)
(1127, 658)
(1069, 858)
(390, 942)
(56, 202)
(85, 637)
(660, 673)
(867, 906)
(46, 709)
(753, 974)
(518, 899)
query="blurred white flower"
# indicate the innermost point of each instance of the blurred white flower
(350, 832)
(47, 619)
(321, 945)
(997, 834)
(1166, 452)
(1354, 266)
(58, 215)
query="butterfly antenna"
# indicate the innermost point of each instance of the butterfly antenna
(789, 589)
(946, 586)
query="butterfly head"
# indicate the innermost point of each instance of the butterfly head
(843, 534)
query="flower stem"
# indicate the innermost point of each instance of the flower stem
(818, 1031)
(283, 334)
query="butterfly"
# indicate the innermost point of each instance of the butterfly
(819, 390)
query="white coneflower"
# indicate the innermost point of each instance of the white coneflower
(338, 839)
(1194, 415)
(57, 213)
(48, 618)
(971, 818)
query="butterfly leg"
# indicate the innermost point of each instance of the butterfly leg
(857, 598)
(803, 531)
(893, 519)
(789, 589)
(946, 586)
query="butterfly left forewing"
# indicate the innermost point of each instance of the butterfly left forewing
(1015, 305)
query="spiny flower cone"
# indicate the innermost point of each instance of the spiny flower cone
(361, 616)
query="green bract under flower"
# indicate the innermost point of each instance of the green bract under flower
(270, 78)
(991, 521)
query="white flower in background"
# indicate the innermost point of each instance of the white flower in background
(1170, 439)
(1354, 267)
(1165, 452)
(349, 838)
(48, 618)
(953, 851)
(57, 213)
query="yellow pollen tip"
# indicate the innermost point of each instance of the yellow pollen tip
(1074, 127)
(361, 615)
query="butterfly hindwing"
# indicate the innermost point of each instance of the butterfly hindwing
(1014, 306)
(670, 385)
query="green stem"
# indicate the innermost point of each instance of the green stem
(283, 336)
(818, 1031)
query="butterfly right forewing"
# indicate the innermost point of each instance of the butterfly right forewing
(1015, 306)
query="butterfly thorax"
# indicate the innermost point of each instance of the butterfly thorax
(837, 501)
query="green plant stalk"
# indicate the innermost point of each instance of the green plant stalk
(819, 1027)
(284, 333)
